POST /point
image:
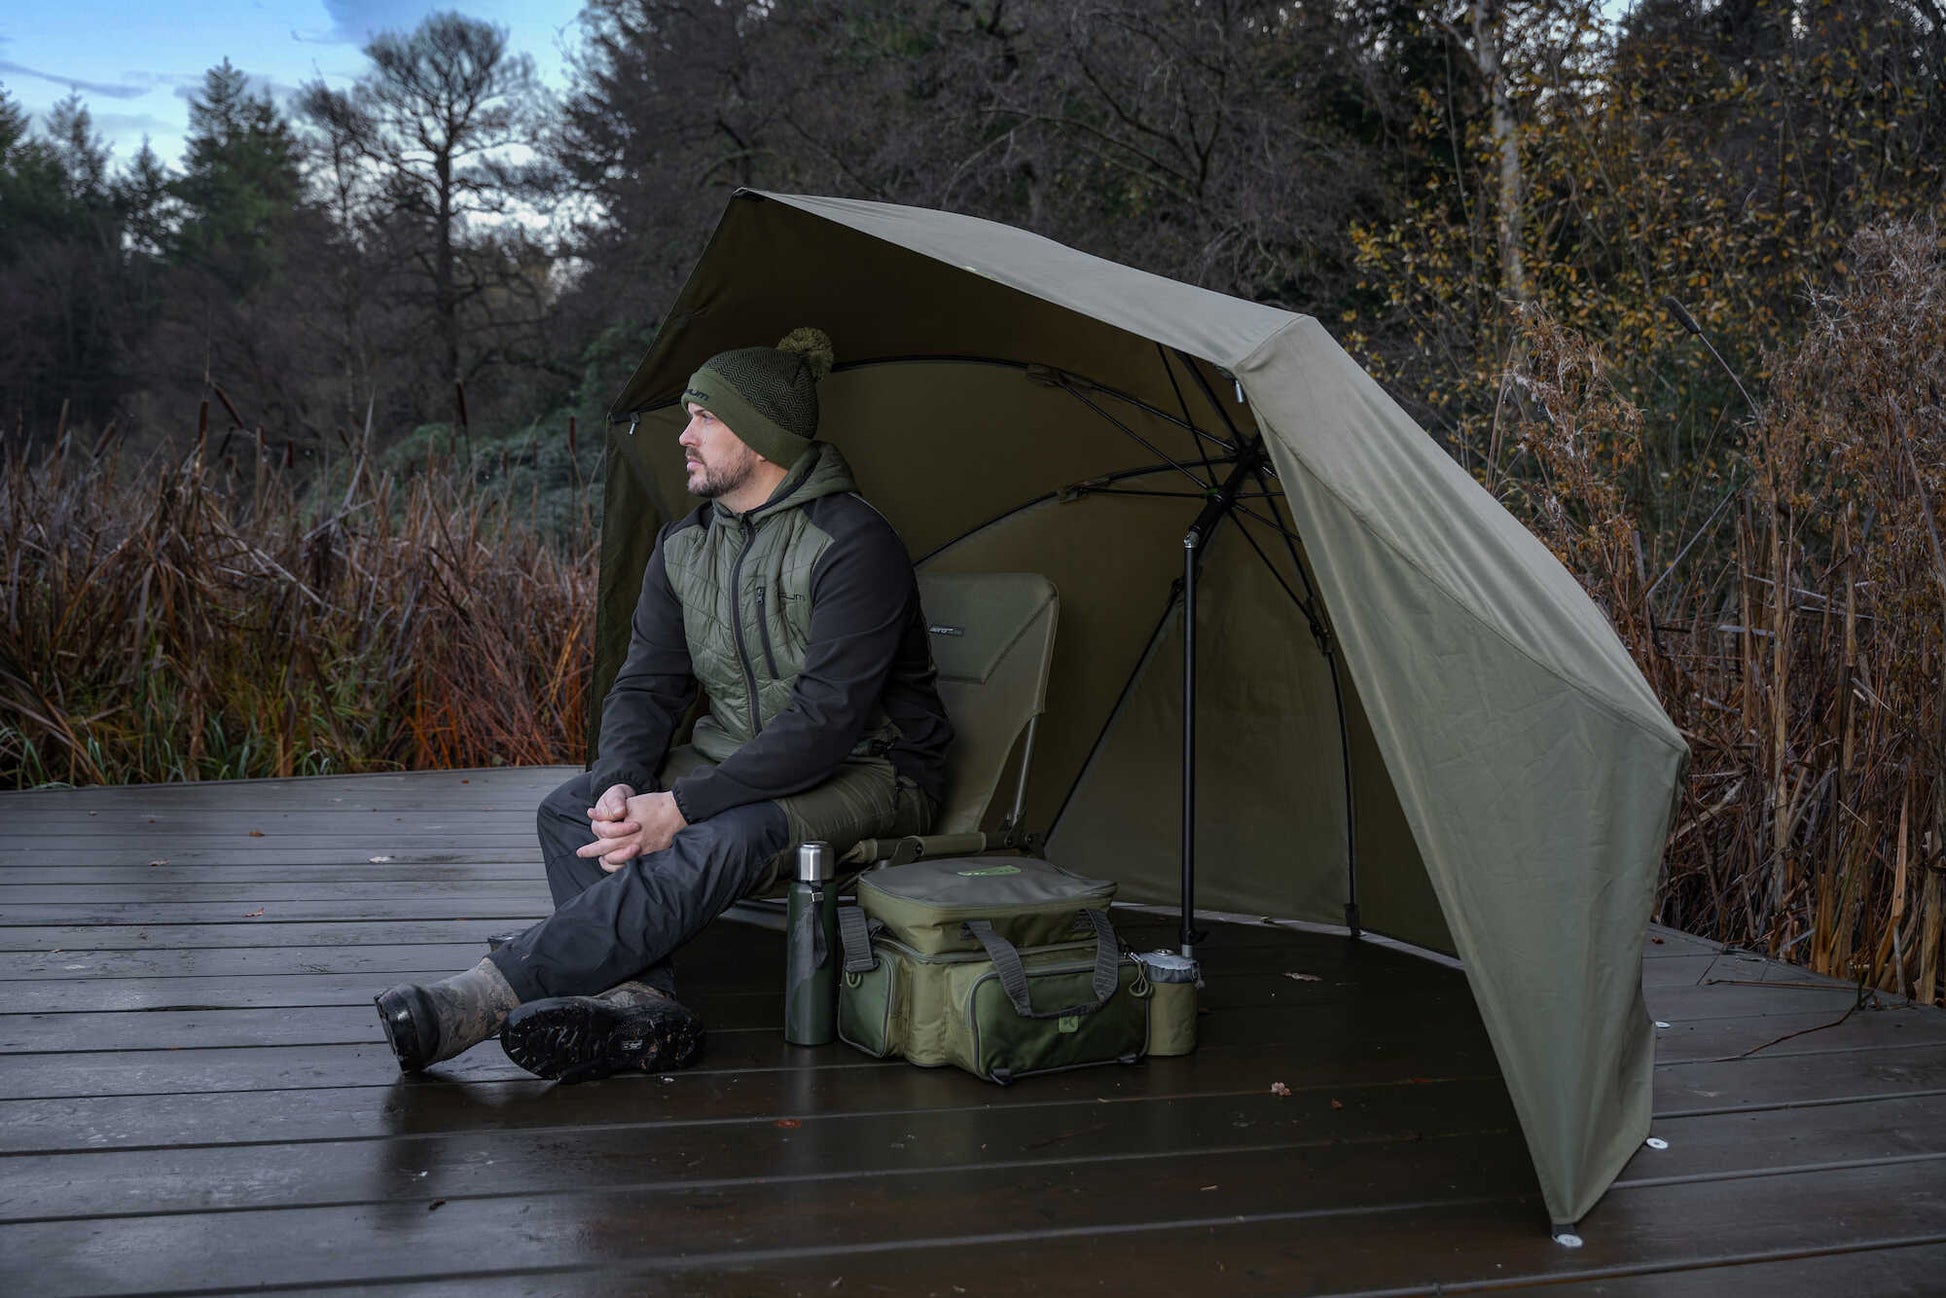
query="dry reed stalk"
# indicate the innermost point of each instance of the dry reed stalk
(182, 622)
(1801, 659)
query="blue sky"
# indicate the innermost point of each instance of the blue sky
(135, 65)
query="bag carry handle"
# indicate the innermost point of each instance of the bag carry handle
(1013, 977)
(855, 937)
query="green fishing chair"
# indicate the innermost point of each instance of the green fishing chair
(993, 643)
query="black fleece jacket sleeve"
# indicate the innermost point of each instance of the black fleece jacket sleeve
(862, 595)
(653, 689)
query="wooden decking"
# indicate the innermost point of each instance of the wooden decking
(197, 1100)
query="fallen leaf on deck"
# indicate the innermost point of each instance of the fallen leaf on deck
(435, 1205)
(252, 914)
(1656, 940)
(1305, 978)
(159, 861)
(1337, 1104)
(789, 1124)
(256, 833)
(1278, 1088)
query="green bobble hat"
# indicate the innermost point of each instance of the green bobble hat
(767, 395)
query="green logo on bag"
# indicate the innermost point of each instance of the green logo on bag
(989, 872)
(1069, 1023)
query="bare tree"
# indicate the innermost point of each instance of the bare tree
(438, 122)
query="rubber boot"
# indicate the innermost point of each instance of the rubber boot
(630, 1028)
(429, 1023)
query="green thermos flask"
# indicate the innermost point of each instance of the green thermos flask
(811, 950)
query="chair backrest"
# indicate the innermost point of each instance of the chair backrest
(993, 642)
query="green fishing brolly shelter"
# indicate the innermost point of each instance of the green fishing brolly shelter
(1404, 701)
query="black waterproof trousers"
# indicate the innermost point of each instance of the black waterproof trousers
(609, 928)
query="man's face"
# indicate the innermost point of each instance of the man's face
(719, 462)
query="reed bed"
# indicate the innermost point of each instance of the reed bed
(1796, 629)
(203, 619)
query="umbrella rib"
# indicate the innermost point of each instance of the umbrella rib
(1210, 396)
(1323, 637)
(1174, 495)
(1274, 526)
(1290, 543)
(1146, 444)
(1302, 606)
(1086, 488)
(1170, 370)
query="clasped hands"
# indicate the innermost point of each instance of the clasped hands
(628, 825)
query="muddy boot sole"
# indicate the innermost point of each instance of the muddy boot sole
(582, 1038)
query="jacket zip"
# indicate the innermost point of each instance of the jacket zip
(763, 632)
(736, 625)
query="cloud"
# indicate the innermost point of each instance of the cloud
(357, 21)
(132, 126)
(106, 89)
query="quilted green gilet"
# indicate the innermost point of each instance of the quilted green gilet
(745, 587)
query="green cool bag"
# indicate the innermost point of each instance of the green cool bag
(1003, 968)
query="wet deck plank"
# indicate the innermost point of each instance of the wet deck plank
(194, 1097)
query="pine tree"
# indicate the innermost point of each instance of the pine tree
(240, 182)
(63, 287)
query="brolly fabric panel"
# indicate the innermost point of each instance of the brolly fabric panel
(1539, 800)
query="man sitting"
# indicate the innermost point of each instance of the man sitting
(794, 605)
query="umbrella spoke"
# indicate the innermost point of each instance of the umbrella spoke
(1060, 380)
(1176, 495)
(1296, 599)
(1325, 646)
(1290, 537)
(1051, 376)
(1189, 364)
(1260, 520)
(1188, 422)
(1098, 486)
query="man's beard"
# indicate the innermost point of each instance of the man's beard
(723, 479)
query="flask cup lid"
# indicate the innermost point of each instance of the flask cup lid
(814, 862)
(1169, 967)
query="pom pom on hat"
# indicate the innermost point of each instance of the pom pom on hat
(814, 345)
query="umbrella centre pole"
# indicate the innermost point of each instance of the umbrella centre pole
(1194, 543)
